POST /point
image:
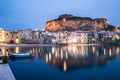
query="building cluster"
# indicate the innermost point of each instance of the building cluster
(61, 37)
(21, 36)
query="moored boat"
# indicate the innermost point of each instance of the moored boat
(19, 55)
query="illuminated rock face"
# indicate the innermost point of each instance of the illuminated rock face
(70, 23)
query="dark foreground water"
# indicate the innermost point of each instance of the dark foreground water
(67, 63)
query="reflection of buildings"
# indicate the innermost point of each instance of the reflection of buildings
(70, 57)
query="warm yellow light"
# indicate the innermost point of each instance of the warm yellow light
(118, 50)
(110, 52)
(117, 37)
(56, 54)
(93, 39)
(65, 66)
(74, 49)
(64, 19)
(4, 51)
(93, 49)
(53, 50)
(17, 50)
(46, 58)
(17, 41)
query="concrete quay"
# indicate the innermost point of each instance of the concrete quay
(6, 73)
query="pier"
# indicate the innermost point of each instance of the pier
(6, 73)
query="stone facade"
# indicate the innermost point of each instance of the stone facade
(5, 36)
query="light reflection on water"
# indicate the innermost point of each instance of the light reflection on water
(68, 58)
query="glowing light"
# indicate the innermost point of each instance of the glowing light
(74, 40)
(65, 66)
(4, 51)
(56, 54)
(61, 55)
(118, 50)
(74, 49)
(93, 39)
(110, 52)
(64, 19)
(17, 50)
(49, 56)
(17, 41)
(93, 49)
(53, 50)
(46, 58)
(117, 37)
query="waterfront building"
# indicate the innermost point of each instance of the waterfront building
(24, 36)
(14, 37)
(5, 36)
(37, 36)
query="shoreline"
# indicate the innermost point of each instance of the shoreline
(37, 45)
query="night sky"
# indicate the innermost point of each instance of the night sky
(33, 14)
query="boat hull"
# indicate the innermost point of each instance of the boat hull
(20, 55)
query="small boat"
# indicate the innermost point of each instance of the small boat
(20, 55)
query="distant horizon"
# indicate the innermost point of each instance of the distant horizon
(33, 14)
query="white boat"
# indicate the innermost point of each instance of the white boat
(19, 55)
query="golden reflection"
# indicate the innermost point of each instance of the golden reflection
(110, 52)
(46, 58)
(65, 66)
(74, 49)
(17, 50)
(56, 54)
(4, 51)
(53, 50)
(93, 49)
(118, 50)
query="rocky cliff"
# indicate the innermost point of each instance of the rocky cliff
(69, 22)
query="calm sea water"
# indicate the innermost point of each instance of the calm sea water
(67, 63)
